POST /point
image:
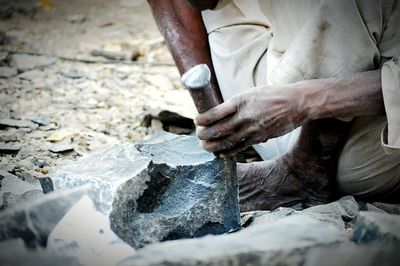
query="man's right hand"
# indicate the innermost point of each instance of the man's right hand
(251, 117)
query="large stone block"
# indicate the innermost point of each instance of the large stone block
(162, 189)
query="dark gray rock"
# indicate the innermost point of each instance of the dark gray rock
(374, 226)
(34, 221)
(282, 242)
(162, 189)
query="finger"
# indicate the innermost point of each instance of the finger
(224, 143)
(238, 148)
(216, 113)
(220, 129)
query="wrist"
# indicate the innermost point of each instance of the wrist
(311, 98)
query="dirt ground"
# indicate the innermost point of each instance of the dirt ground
(64, 102)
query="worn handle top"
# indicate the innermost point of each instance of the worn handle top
(197, 81)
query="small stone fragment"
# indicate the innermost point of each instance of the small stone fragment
(9, 135)
(49, 127)
(73, 75)
(13, 184)
(9, 148)
(7, 72)
(59, 135)
(77, 18)
(376, 226)
(7, 122)
(61, 147)
(117, 56)
(24, 62)
(32, 75)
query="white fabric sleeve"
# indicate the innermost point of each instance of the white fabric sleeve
(390, 136)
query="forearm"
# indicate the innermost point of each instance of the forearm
(359, 95)
(185, 35)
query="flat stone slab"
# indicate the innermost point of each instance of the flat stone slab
(162, 189)
(281, 242)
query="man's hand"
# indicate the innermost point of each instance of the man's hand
(271, 111)
(251, 117)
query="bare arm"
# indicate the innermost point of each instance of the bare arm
(262, 113)
(358, 95)
(184, 31)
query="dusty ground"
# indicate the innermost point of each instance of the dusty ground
(80, 103)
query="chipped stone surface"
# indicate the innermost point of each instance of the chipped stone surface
(34, 221)
(376, 226)
(85, 233)
(161, 189)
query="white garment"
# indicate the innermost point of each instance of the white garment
(271, 42)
